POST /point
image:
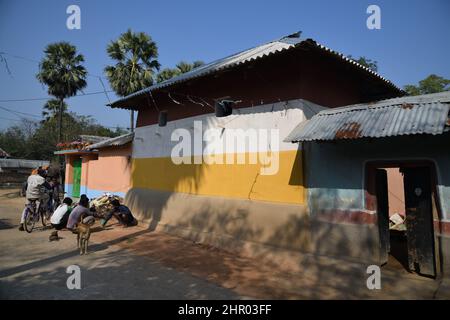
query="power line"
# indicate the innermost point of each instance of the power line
(8, 119)
(104, 89)
(47, 98)
(20, 120)
(18, 112)
(38, 62)
(3, 59)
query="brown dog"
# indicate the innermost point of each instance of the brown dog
(84, 233)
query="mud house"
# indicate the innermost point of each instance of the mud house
(95, 165)
(349, 151)
(234, 204)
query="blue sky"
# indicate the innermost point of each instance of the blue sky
(414, 40)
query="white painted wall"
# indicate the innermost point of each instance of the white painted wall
(153, 141)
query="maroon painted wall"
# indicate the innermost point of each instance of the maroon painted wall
(308, 74)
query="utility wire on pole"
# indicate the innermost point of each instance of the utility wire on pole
(47, 98)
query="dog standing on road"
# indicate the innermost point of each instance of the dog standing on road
(84, 233)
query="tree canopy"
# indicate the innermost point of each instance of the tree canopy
(61, 70)
(51, 109)
(180, 68)
(37, 140)
(366, 62)
(135, 56)
(431, 84)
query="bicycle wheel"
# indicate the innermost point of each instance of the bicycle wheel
(45, 217)
(29, 221)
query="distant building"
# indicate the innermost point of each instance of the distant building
(95, 165)
(14, 172)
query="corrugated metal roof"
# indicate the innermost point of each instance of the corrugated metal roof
(267, 49)
(4, 154)
(22, 163)
(113, 142)
(73, 151)
(400, 116)
(92, 139)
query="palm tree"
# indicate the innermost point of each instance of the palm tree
(135, 55)
(181, 67)
(51, 109)
(166, 74)
(61, 70)
(366, 62)
(184, 67)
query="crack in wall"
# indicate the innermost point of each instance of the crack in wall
(253, 185)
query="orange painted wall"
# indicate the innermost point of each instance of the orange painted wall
(69, 169)
(396, 191)
(110, 172)
(85, 159)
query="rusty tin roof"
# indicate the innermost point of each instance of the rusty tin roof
(425, 114)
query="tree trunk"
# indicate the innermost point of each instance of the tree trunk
(61, 101)
(132, 121)
(60, 137)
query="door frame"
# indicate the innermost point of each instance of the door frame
(76, 159)
(370, 198)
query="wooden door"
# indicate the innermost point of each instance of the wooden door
(76, 178)
(381, 188)
(419, 220)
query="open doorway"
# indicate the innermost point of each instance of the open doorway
(403, 194)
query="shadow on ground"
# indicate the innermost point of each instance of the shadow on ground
(113, 275)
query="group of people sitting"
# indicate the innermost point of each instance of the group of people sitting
(67, 215)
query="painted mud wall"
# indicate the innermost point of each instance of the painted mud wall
(68, 179)
(107, 171)
(230, 204)
(310, 75)
(396, 191)
(335, 180)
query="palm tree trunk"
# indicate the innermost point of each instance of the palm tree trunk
(132, 121)
(60, 137)
(61, 101)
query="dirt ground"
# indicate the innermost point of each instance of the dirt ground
(134, 263)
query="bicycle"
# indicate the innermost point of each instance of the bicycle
(33, 215)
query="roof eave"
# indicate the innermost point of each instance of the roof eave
(122, 103)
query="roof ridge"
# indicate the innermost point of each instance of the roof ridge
(420, 99)
(257, 52)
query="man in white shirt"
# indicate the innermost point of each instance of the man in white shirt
(61, 215)
(36, 184)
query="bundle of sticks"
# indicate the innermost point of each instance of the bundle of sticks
(103, 205)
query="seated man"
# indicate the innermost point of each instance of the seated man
(79, 212)
(121, 213)
(60, 217)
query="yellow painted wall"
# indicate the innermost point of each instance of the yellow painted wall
(227, 180)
